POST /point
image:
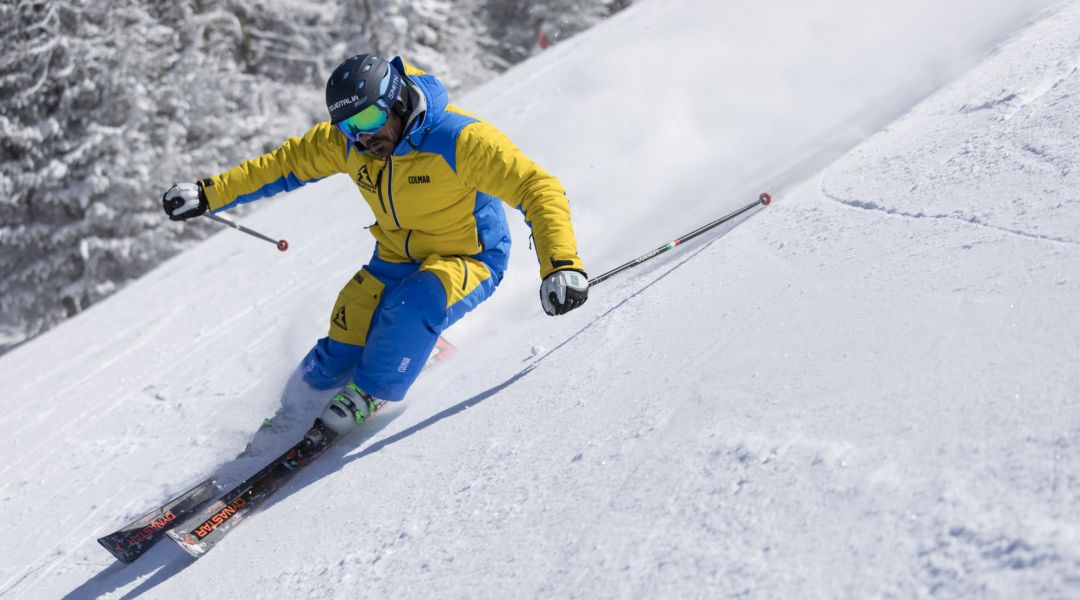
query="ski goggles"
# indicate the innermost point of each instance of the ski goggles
(371, 119)
(366, 122)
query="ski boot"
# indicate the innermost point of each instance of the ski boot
(349, 408)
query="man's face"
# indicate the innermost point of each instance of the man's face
(382, 142)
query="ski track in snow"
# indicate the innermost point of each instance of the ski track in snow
(134, 342)
(1026, 100)
(44, 564)
(871, 206)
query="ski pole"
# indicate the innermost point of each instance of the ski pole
(763, 200)
(281, 244)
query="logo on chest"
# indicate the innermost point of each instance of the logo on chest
(363, 179)
(419, 179)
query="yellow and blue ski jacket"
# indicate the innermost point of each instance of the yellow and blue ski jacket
(436, 194)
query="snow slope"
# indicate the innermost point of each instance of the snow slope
(868, 389)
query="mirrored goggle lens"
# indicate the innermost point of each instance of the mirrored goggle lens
(365, 122)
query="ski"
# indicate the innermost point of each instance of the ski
(203, 530)
(134, 539)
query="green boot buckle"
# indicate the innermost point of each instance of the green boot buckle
(358, 415)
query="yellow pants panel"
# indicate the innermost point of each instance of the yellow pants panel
(351, 317)
(459, 275)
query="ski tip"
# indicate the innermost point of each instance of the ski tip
(282, 245)
(117, 550)
(765, 198)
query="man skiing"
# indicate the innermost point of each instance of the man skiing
(433, 175)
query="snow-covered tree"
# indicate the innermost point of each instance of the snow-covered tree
(104, 104)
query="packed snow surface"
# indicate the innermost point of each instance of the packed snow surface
(867, 389)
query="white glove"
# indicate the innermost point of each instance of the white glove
(563, 291)
(184, 201)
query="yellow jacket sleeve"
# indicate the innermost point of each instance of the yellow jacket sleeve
(300, 160)
(488, 160)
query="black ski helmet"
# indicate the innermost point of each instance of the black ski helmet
(359, 82)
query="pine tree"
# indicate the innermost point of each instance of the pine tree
(104, 103)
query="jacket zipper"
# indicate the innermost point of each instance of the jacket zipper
(378, 186)
(389, 170)
(390, 189)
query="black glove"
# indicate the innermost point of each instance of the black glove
(185, 201)
(563, 291)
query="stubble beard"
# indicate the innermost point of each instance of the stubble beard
(382, 144)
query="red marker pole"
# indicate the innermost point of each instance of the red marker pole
(281, 244)
(763, 200)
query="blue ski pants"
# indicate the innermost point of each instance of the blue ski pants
(388, 317)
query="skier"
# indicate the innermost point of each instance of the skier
(433, 175)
